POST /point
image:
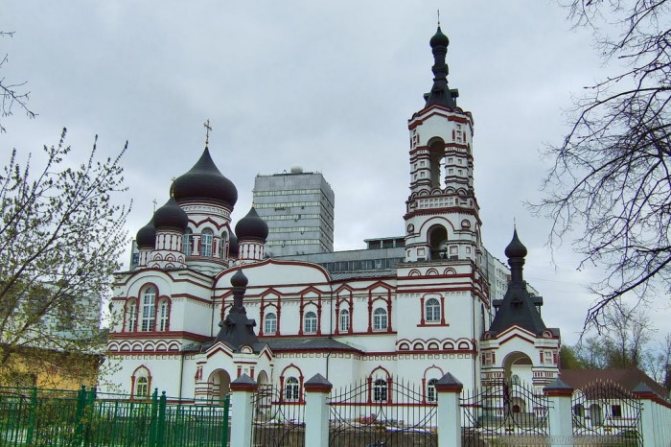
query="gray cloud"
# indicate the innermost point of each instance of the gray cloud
(325, 85)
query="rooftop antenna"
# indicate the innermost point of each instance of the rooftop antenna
(154, 202)
(208, 128)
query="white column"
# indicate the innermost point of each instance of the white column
(317, 390)
(560, 417)
(449, 412)
(242, 390)
(647, 398)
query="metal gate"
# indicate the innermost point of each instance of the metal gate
(383, 413)
(606, 412)
(278, 421)
(504, 413)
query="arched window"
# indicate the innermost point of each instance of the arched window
(163, 315)
(380, 319)
(187, 243)
(222, 245)
(140, 383)
(206, 242)
(141, 387)
(431, 395)
(270, 324)
(344, 320)
(432, 310)
(380, 390)
(148, 309)
(310, 324)
(292, 389)
(131, 315)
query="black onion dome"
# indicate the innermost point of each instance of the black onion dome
(251, 227)
(171, 216)
(439, 39)
(146, 236)
(516, 249)
(205, 181)
(233, 247)
(239, 279)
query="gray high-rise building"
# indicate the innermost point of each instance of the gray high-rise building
(298, 208)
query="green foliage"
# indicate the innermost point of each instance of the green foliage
(568, 359)
(61, 235)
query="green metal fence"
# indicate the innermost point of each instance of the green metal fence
(32, 417)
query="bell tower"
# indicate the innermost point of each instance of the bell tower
(442, 214)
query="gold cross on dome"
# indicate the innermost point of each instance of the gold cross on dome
(208, 128)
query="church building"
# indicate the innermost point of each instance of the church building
(205, 304)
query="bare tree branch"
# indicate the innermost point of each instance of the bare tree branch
(12, 94)
(610, 181)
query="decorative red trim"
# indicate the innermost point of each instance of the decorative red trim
(561, 392)
(217, 350)
(210, 220)
(191, 297)
(277, 262)
(442, 310)
(438, 287)
(251, 387)
(442, 388)
(161, 335)
(451, 209)
(421, 320)
(318, 387)
(144, 353)
(433, 325)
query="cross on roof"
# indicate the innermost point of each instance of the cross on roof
(207, 131)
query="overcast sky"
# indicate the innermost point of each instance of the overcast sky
(328, 86)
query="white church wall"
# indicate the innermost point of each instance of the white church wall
(163, 373)
(192, 316)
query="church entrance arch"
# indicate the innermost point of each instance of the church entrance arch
(438, 242)
(218, 384)
(517, 368)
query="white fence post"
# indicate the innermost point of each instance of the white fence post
(560, 416)
(449, 412)
(317, 412)
(647, 398)
(242, 390)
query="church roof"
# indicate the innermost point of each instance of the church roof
(237, 330)
(440, 93)
(146, 236)
(306, 344)
(518, 307)
(205, 181)
(170, 216)
(627, 378)
(251, 227)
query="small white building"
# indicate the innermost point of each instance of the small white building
(204, 304)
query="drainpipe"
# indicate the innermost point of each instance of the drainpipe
(181, 374)
(328, 356)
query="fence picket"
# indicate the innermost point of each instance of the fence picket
(32, 417)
